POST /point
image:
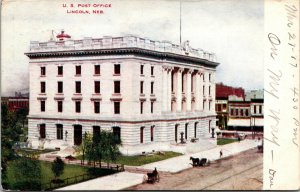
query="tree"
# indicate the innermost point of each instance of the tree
(85, 146)
(22, 115)
(110, 146)
(10, 133)
(58, 167)
(24, 174)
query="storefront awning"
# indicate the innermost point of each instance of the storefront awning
(255, 122)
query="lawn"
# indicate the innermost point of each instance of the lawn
(70, 171)
(224, 141)
(145, 159)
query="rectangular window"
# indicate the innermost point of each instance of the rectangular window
(254, 109)
(117, 69)
(203, 104)
(142, 134)
(117, 88)
(141, 107)
(209, 90)
(142, 87)
(42, 131)
(152, 70)
(117, 107)
(231, 112)
(78, 87)
(152, 87)
(203, 77)
(78, 70)
(59, 70)
(59, 106)
(242, 112)
(97, 107)
(152, 103)
(43, 106)
(59, 87)
(260, 109)
(97, 86)
(77, 106)
(247, 112)
(236, 112)
(142, 69)
(203, 90)
(209, 105)
(209, 77)
(97, 69)
(43, 71)
(43, 87)
(96, 130)
(59, 131)
(152, 133)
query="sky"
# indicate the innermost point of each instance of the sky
(231, 29)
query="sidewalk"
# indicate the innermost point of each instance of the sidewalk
(181, 163)
(116, 181)
(125, 179)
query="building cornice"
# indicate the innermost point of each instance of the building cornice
(164, 56)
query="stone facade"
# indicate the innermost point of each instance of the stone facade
(163, 90)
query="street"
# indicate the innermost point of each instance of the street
(239, 172)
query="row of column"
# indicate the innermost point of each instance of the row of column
(190, 76)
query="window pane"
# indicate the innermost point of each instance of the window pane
(97, 107)
(78, 70)
(152, 70)
(59, 87)
(97, 69)
(43, 71)
(117, 107)
(59, 106)
(43, 87)
(42, 105)
(117, 86)
(152, 85)
(117, 69)
(142, 69)
(77, 106)
(78, 86)
(59, 131)
(141, 87)
(42, 131)
(60, 70)
(97, 86)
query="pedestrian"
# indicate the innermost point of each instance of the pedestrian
(221, 153)
(239, 139)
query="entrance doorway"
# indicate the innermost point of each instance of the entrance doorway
(77, 134)
(176, 132)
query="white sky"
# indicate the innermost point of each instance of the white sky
(232, 29)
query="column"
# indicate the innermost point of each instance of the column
(169, 92)
(200, 86)
(188, 93)
(164, 88)
(197, 93)
(179, 89)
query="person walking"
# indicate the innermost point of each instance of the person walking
(221, 153)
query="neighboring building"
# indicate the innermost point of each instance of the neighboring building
(15, 103)
(223, 94)
(146, 92)
(247, 115)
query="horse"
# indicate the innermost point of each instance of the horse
(196, 161)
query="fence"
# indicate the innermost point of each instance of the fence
(78, 178)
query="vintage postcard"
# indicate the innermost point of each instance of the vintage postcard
(149, 95)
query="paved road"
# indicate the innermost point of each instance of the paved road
(239, 172)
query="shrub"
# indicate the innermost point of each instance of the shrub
(24, 174)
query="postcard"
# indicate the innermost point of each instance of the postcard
(150, 95)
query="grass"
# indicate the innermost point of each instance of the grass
(69, 171)
(224, 141)
(145, 159)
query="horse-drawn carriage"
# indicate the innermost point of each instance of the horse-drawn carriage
(199, 162)
(153, 177)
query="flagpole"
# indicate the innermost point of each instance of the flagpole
(180, 22)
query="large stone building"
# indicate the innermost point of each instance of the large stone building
(146, 92)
